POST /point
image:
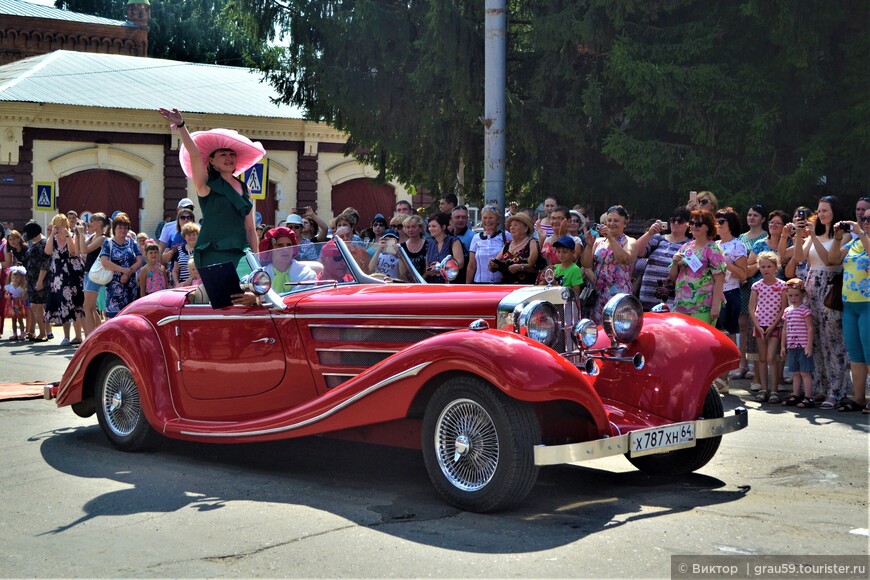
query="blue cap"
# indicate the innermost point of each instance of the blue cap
(391, 233)
(379, 217)
(565, 242)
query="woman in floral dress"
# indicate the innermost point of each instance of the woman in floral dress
(698, 269)
(611, 257)
(122, 256)
(66, 280)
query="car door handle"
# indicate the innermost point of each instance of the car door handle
(266, 340)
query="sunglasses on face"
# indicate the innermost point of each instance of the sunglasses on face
(704, 201)
(185, 218)
(694, 224)
(677, 220)
(720, 221)
(295, 227)
(865, 219)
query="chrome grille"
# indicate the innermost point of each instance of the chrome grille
(355, 358)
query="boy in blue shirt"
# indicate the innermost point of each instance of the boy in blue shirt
(567, 273)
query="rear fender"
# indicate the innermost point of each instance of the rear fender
(135, 342)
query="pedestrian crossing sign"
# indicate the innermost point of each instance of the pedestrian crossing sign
(257, 179)
(44, 196)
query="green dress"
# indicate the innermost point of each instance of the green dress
(223, 237)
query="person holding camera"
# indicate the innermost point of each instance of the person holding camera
(829, 354)
(849, 248)
(658, 246)
(611, 257)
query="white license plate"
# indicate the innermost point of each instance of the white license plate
(658, 439)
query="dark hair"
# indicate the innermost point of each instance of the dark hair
(553, 197)
(780, 214)
(441, 217)
(151, 246)
(705, 217)
(732, 218)
(681, 212)
(839, 214)
(120, 219)
(212, 172)
(405, 202)
(315, 229)
(450, 198)
(619, 210)
(560, 209)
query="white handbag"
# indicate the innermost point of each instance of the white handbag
(98, 274)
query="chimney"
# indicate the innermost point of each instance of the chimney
(139, 13)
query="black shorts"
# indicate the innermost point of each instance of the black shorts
(729, 315)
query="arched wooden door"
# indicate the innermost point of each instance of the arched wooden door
(367, 197)
(100, 190)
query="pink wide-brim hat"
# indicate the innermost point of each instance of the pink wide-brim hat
(248, 152)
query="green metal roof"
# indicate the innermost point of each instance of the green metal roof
(130, 82)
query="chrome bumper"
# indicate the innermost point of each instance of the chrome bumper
(575, 452)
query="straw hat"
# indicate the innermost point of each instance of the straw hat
(248, 152)
(521, 217)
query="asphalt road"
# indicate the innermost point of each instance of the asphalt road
(795, 482)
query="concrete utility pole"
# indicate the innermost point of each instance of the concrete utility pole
(495, 49)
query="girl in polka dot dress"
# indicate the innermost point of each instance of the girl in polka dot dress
(766, 305)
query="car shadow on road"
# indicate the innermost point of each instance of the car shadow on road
(382, 488)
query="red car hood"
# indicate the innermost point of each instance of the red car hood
(405, 299)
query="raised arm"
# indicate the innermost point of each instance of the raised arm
(200, 176)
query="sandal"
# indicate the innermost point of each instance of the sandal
(807, 403)
(738, 373)
(29, 336)
(848, 406)
(791, 401)
(774, 398)
(762, 396)
(829, 403)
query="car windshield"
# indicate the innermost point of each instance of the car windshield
(299, 268)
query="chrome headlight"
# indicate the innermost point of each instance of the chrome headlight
(585, 332)
(622, 318)
(540, 321)
(259, 282)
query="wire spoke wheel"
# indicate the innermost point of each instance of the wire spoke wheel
(467, 444)
(120, 401)
(478, 445)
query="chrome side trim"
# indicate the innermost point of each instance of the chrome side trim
(421, 316)
(619, 445)
(386, 326)
(411, 372)
(380, 350)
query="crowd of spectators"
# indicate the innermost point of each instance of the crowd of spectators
(702, 262)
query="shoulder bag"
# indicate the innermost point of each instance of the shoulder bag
(98, 274)
(834, 297)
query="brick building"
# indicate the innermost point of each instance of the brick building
(32, 29)
(85, 123)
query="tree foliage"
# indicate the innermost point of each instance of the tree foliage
(185, 30)
(631, 101)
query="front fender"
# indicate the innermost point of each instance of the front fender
(683, 356)
(135, 341)
(519, 366)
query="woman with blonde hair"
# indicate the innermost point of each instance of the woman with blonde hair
(485, 246)
(415, 246)
(66, 285)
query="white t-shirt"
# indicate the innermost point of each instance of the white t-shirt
(484, 250)
(733, 250)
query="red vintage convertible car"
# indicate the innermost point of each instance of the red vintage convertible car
(491, 382)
